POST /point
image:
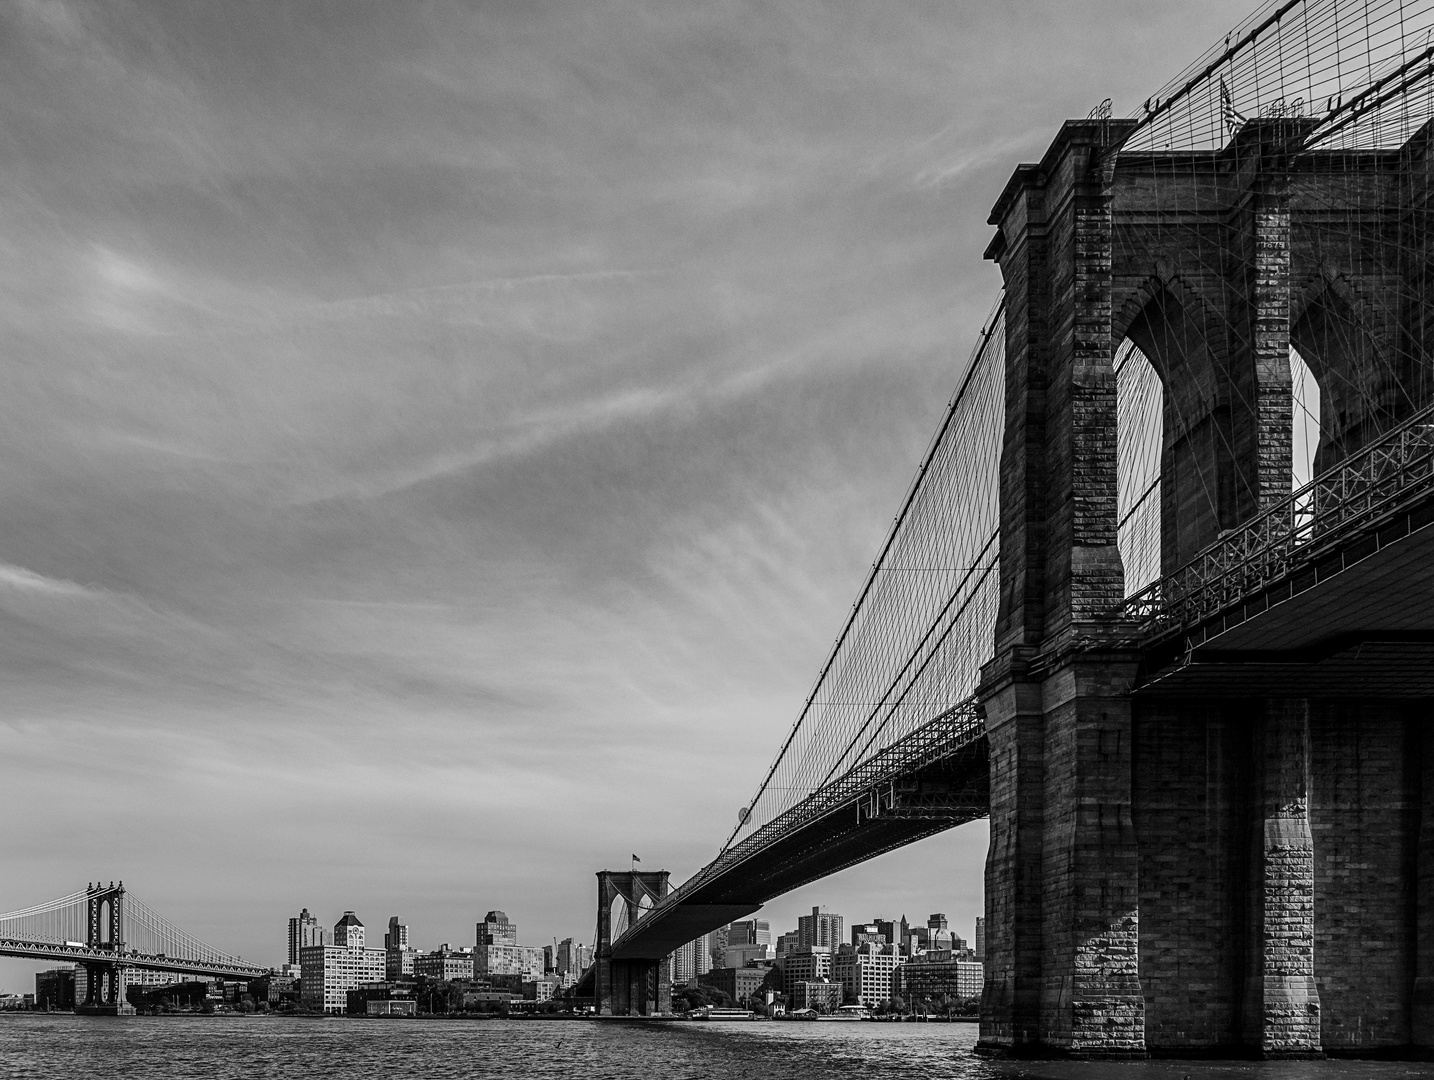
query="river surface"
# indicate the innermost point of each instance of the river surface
(256, 1048)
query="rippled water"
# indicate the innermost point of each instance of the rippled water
(258, 1047)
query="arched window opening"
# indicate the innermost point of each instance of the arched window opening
(1139, 450)
(618, 918)
(1305, 426)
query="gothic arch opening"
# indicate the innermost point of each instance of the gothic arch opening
(1305, 427)
(618, 917)
(1172, 440)
(1360, 390)
(1139, 450)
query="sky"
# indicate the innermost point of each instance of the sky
(439, 443)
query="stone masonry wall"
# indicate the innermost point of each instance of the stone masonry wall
(1190, 806)
(1364, 815)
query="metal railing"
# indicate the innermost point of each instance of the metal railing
(1374, 482)
(956, 728)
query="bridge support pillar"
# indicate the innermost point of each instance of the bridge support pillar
(1282, 1009)
(1011, 998)
(1423, 1004)
(1062, 875)
(104, 992)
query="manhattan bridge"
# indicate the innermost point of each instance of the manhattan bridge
(1159, 601)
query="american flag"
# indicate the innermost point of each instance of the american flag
(1228, 114)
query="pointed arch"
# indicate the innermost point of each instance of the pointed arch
(1185, 446)
(1361, 389)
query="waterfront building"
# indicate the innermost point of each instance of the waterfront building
(738, 983)
(445, 963)
(867, 972)
(823, 995)
(541, 989)
(331, 971)
(941, 973)
(304, 930)
(810, 964)
(55, 989)
(749, 932)
(392, 1007)
(821, 929)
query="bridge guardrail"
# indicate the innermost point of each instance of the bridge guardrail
(957, 727)
(1372, 482)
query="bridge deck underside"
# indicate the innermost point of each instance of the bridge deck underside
(65, 954)
(1361, 615)
(847, 836)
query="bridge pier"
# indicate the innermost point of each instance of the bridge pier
(104, 992)
(1282, 1007)
(1062, 882)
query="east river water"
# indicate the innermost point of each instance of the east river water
(254, 1048)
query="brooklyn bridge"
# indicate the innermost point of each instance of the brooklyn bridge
(1160, 599)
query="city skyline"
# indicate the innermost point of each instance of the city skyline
(382, 431)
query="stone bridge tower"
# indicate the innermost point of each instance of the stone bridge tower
(1230, 867)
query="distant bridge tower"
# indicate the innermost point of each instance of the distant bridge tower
(105, 982)
(628, 986)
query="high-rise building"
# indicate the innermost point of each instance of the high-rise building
(585, 958)
(692, 960)
(788, 942)
(820, 928)
(397, 936)
(399, 955)
(938, 934)
(495, 929)
(750, 932)
(550, 960)
(717, 947)
(304, 930)
(568, 957)
(867, 972)
(980, 938)
(348, 932)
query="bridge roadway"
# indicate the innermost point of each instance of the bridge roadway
(934, 779)
(86, 954)
(1331, 588)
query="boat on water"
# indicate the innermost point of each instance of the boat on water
(849, 1012)
(715, 1013)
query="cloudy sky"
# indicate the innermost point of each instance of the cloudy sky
(439, 442)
